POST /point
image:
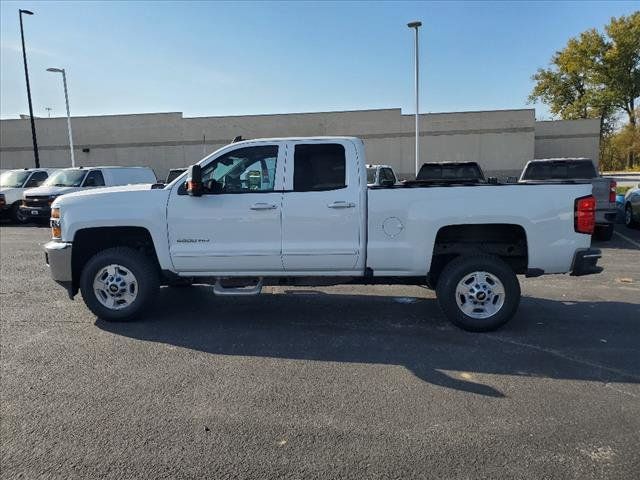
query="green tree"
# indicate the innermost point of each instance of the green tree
(619, 69)
(595, 76)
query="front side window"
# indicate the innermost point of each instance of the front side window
(66, 178)
(386, 174)
(245, 170)
(36, 179)
(13, 179)
(318, 167)
(94, 179)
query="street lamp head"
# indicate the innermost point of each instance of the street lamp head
(56, 70)
(414, 24)
(26, 12)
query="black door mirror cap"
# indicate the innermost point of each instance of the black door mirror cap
(194, 181)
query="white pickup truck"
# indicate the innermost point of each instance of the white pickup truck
(297, 211)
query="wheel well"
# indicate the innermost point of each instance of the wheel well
(89, 241)
(507, 241)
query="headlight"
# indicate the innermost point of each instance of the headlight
(56, 229)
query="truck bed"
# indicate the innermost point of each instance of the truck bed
(406, 219)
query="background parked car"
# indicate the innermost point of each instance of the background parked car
(13, 183)
(37, 201)
(632, 207)
(451, 171)
(380, 175)
(604, 189)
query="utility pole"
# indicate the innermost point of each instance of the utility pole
(416, 25)
(26, 76)
(66, 100)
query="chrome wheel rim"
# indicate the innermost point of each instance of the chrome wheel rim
(480, 295)
(115, 286)
(627, 216)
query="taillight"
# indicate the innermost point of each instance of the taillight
(612, 191)
(584, 220)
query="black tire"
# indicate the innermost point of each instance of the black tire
(603, 233)
(628, 217)
(146, 274)
(17, 216)
(456, 270)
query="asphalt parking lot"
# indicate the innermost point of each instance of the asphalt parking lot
(340, 382)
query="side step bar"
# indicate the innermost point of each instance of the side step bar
(219, 289)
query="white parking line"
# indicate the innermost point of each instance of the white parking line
(632, 242)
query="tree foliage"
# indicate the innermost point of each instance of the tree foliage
(596, 75)
(617, 148)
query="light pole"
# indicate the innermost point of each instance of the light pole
(416, 26)
(66, 99)
(26, 76)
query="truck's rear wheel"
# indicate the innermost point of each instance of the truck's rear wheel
(478, 293)
(118, 283)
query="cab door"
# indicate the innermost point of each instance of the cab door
(323, 207)
(235, 227)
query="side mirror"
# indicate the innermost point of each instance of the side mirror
(194, 181)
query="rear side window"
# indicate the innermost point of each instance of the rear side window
(560, 170)
(36, 179)
(319, 167)
(94, 179)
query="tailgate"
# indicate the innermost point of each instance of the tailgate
(601, 190)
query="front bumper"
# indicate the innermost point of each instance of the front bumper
(58, 257)
(36, 212)
(585, 262)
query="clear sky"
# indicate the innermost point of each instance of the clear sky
(213, 58)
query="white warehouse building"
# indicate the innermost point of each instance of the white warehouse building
(501, 141)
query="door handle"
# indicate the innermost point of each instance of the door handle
(341, 204)
(263, 206)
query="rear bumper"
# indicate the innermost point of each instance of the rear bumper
(605, 217)
(585, 262)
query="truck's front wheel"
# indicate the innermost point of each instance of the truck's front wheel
(118, 283)
(17, 215)
(478, 293)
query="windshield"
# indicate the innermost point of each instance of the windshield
(548, 170)
(66, 178)
(14, 179)
(371, 175)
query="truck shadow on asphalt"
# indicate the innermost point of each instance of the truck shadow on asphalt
(588, 341)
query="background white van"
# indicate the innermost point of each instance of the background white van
(13, 184)
(37, 201)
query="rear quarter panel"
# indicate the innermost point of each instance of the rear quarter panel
(545, 212)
